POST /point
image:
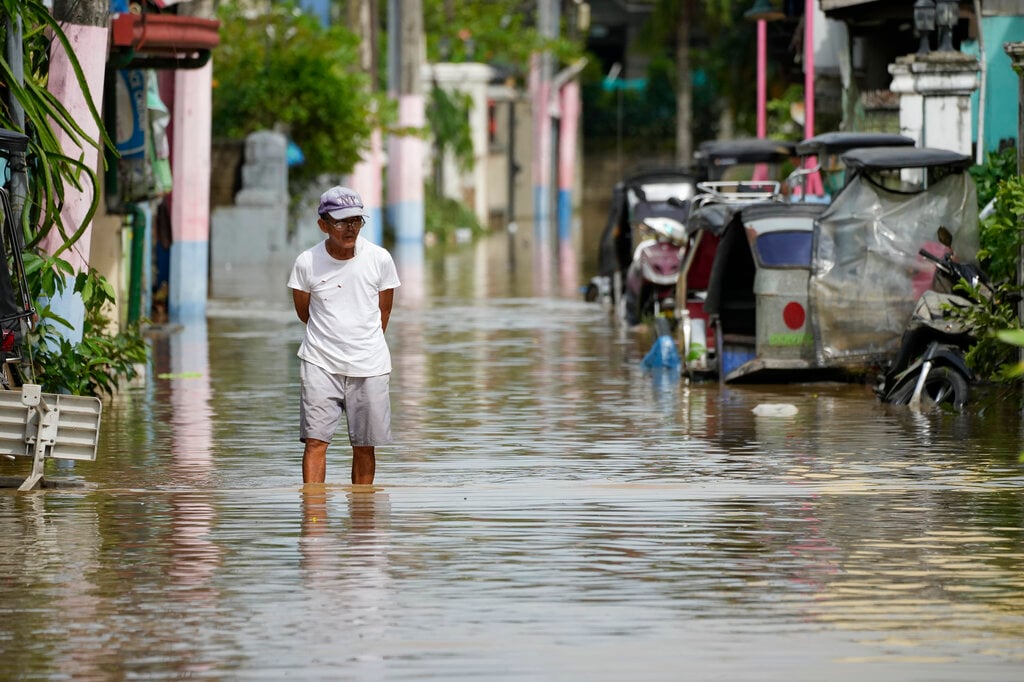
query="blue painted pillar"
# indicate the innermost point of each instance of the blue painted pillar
(190, 208)
(568, 126)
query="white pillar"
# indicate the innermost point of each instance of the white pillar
(935, 98)
(471, 79)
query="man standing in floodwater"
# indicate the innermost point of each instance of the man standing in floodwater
(343, 289)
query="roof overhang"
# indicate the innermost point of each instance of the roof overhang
(866, 11)
(161, 41)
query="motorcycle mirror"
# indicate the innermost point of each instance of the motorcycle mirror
(945, 237)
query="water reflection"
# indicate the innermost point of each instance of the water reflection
(548, 511)
(344, 562)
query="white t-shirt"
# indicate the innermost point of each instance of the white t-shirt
(344, 333)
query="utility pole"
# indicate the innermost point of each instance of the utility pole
(363, 15)
(541, 68)
(367, 176)
(406, 52)
(684, 80)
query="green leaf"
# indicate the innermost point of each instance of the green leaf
(1012, 336)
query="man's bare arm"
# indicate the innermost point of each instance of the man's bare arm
(386, 298)
(301, 300)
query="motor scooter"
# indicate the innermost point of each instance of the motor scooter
(650, 287)
(641, 243)
(930, 365)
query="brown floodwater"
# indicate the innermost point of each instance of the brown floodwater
(547, 511)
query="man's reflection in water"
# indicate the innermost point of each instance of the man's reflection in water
(345, 561)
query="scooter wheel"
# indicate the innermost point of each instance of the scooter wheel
(945, 385)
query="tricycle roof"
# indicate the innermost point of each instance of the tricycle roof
(745, 150)
(659, 176)
(894, 158)
(840, 142)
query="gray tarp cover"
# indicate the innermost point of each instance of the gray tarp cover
(867, 273)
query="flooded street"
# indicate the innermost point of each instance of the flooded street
(547, 512)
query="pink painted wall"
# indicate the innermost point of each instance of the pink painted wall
(568, 126)
(540, 90)
(190, 211)
(89, 44)
(405, 177)
(366, 176)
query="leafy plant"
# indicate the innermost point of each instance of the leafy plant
(1000, 233)
(999, 166)
(98, 363)
(448, 117)
(102, 358)
(443, 215)
(498, 32)
(1014, 337)
(282, 70)
(50, 168)
(989, 357)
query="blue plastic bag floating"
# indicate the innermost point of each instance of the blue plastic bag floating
(662, 355)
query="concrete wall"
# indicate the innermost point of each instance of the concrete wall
(1001, 94)
(250, 254)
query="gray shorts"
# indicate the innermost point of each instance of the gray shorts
(324, 396)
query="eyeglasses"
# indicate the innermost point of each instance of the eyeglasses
(350, 223)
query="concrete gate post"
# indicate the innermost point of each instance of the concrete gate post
(472, 79)
(935, 98)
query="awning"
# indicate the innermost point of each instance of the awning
(150, 40)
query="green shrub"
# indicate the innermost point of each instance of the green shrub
(282, 70)
(443, 215)
(102, 359)
(1000, 233)
(989, 357)
(999, 166)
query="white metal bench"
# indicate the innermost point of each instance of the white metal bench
(40, 425)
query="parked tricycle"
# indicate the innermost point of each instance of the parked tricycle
(644, 246)
(822, 172)
(744, 159)
(806, 291)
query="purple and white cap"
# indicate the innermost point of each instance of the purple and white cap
(341, 202)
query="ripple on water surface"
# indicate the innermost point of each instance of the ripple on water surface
(547, 511)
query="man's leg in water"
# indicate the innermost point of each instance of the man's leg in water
(314, 461)
(363, 464)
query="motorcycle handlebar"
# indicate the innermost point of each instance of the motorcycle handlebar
(948, 269)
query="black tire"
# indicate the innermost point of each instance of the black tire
(945, 385)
